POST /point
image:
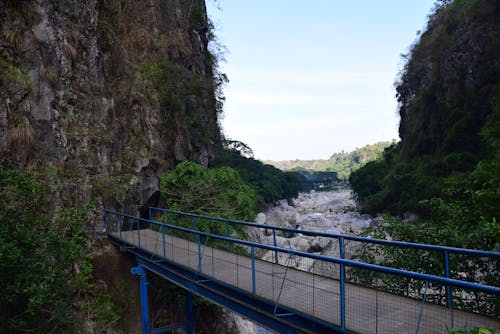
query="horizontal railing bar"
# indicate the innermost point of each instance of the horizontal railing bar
(346, 237)
(350, 263)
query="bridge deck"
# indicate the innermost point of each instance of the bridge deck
(367, 310)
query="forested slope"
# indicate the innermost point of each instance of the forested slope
(449, 103)
(342, 163)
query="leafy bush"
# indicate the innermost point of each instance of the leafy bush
(465, 216)
(210, 191)
(270, 183)
(322, 181)
(475, 330)
(38, 256)
(217, 192)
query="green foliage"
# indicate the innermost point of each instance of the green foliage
(37, 271)
(463, 267)
(14, 78)
(468, 209)
(45, 265)
(105, 309)
(321, 181)
(181, 94)
(343, 163)
(197, 15)
(449, 118)
(465, 216)
(270, 183)
(111, 186)
(217, 192)
(475, 330)
(210, 191)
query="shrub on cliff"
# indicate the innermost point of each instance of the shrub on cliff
(38, 259)
(270, 183)
(219, 192)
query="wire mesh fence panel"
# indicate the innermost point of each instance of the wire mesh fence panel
(127, 225)
(147, 239)
(416, 260)
(244, 273)
(207, 261)
(475, 309)
(359, 300)
(290, 294)
(382, 309)
(478, 269)
(326, 269)
(278, 276)
(180, 252)
(263, 280)
(373, 302)
(225, 267)
(427, 261)
(326, 292)
(169, 244)
(193, 255)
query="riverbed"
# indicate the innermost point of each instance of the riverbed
(326, 211)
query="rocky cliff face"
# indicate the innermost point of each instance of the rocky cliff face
(99, 98)
(448, 94)
(449, 82)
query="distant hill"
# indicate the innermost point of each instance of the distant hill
(342, 163)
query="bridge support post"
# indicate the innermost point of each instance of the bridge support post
(189, 313)
(141, 272)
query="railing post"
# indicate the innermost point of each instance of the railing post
(230, 244)
(163, 237)
(138, 234)
(274, 243)
(120, 226)
(150, 213)
(447, 275)
(253, 269)
(198, 241)
(169, 221)
(141, 272)
(342, 284)
(189, 313)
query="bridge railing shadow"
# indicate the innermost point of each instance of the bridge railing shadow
(288, 269)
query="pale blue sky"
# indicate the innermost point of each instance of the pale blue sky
(311, 78)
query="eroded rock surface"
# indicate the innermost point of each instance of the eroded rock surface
(333, 212)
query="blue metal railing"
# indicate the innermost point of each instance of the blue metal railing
(444, 250)
(350, 263)
(333, 235)
(341, 261)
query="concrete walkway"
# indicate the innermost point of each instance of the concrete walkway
(367, 310)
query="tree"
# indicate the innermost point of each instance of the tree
(219, 192)
(38, 257)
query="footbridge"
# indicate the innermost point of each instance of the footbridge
(341, 286)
